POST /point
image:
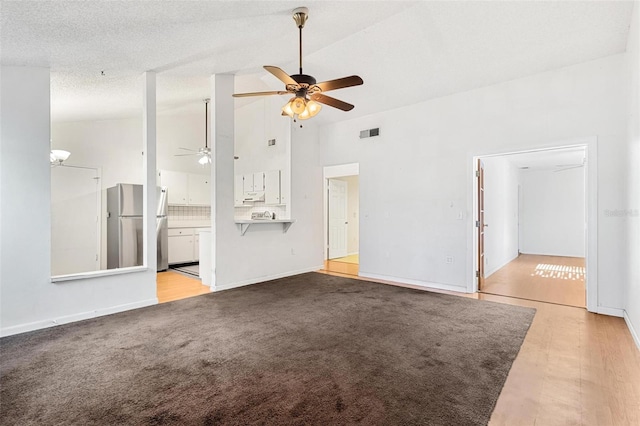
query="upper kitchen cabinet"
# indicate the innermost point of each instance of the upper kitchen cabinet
(186, 188)
(199, 189)
(272, 194)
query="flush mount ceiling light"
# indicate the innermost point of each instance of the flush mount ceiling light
(203, 153)
(58, 156)
(307, 93)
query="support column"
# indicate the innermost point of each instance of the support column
(222, 170)
(149, 168)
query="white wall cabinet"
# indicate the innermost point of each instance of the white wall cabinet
(258, 181)
(272, 187)
(177, 183)
(238, 187)
(269, 182)
(184, 245)
(199, 189)
(186, 188)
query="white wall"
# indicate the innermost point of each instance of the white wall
(633, 181)
(553, 212)
(265, 252)
(255, 124)
(415, 178)
(353, 207)
(114, 146)
(29, 299)
(501, 213)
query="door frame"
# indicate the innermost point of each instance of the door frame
(591, 211)
(329, 172)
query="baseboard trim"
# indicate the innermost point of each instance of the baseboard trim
(39, 325)
(265, 278)
(423, 284)
(634, 333)
(614, 312)
(500, 266)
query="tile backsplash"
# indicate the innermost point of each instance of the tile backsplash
(189, 212)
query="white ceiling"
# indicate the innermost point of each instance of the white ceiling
(406, 52)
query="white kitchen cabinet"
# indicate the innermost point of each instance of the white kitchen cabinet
(184, 245)
(258, 181)
(238, 190)
(177, 184)
(199, 189)
(253, 182)
(180, 248)
(186, 188)
(272, 187)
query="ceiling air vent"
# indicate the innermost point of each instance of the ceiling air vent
(369, 133)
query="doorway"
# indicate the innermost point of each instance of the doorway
(341, 219)
(531, 225)
(75, 220)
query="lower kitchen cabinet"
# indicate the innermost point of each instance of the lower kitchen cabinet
(184, 245)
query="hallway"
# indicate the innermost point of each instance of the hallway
(552, 279)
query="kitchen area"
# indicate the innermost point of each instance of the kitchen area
(189, 214)
(94, 232)
(97, 198)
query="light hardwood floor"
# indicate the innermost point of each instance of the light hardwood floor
(552, 279)
(341, 267)
(574, 368)
(174, 286)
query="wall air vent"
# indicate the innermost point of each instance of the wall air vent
(369, 133)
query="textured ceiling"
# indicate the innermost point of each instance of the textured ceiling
(406, 52)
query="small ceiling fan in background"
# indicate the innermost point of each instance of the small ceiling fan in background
(203, 153)
(308, 94)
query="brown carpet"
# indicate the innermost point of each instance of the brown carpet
(306, 350)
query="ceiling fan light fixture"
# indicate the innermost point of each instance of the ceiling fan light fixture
(310, 110)
(205, 159)
(58, 156)
(298, 105)
(304, 86)
(287, 110)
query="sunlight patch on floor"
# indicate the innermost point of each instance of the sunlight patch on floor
(562, 272)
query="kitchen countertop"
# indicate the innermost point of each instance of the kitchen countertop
(189, 224)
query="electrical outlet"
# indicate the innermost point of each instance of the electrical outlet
(293, 252)
(449, 259)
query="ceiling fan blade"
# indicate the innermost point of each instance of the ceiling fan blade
(280, 75)
(242, 95)
(333, 102)
(185, 155)
(188, 149)
(340, 83)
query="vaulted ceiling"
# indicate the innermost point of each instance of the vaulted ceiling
(406, 52)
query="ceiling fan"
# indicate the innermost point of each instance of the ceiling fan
(203, 153)
(308, 94)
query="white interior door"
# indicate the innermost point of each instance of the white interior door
(338, 221)
(74, 220)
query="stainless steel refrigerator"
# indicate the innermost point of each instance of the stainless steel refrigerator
(125, 224)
